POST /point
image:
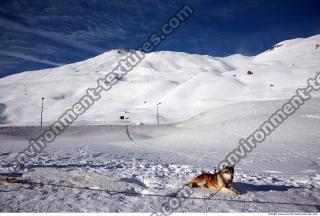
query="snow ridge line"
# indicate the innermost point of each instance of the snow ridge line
(137, 194)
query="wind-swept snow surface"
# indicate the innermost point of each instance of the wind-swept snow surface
(208, 103)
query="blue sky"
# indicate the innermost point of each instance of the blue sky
(40, 34)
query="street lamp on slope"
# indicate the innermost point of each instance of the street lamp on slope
(158, 112)
(42, 99)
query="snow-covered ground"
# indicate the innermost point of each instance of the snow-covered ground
(208, 104)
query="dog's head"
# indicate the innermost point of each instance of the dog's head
(227, 173)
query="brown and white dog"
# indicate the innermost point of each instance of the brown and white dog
(219, 181)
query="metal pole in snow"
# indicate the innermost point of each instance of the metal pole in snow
(41, 110)
(158, 113)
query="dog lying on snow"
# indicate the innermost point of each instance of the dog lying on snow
(220, 181)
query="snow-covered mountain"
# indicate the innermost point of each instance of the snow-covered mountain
(186, 84)
(217, 103)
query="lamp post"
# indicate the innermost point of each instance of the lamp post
(41, 110)
(158, 112)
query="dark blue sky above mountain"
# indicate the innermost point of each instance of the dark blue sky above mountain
(40, 34)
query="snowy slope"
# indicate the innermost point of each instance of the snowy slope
(211, 104)
(185, 84)
(283, 172)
